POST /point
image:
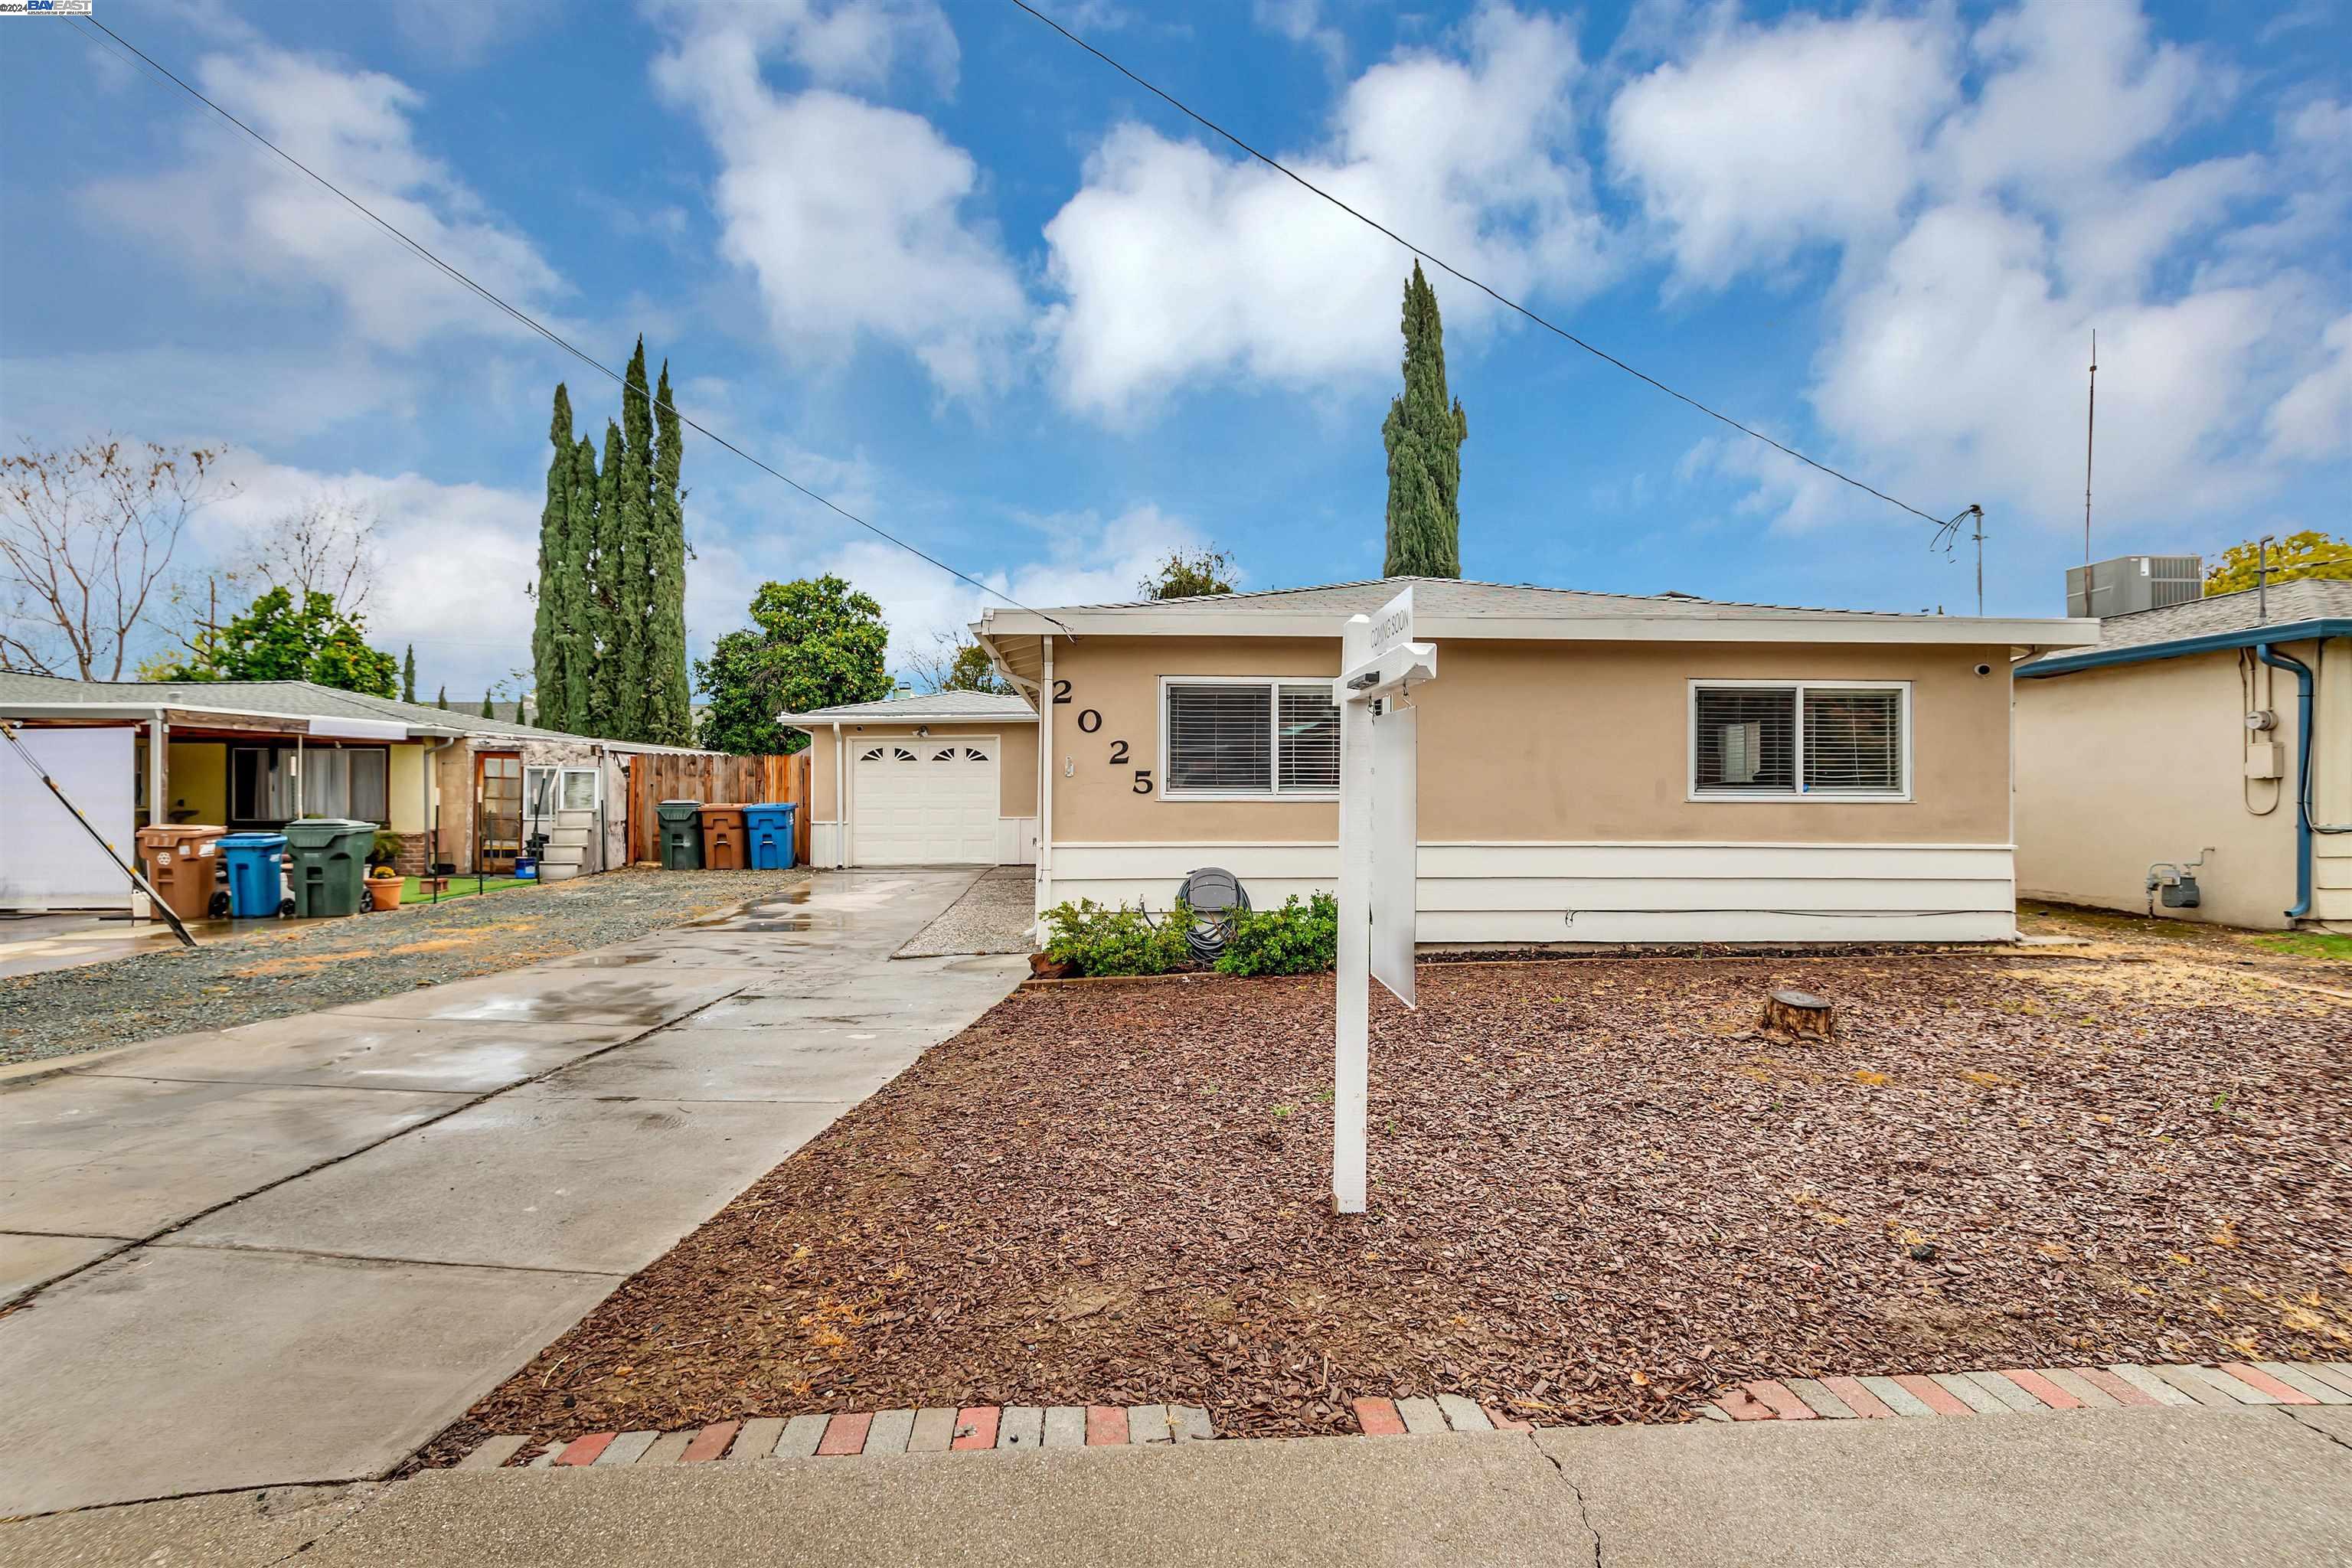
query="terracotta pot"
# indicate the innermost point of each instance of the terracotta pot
(384, 892)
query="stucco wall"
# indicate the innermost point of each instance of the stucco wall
(1016, 768)
(1545, 742)
(2138, 763)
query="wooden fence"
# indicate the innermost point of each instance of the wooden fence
(710, 777)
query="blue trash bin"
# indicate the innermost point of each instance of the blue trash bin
(254, 873)
(769, 825)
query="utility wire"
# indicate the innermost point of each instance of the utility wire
(1443, 265)
(458, 276)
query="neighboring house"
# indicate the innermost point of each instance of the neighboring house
(257, 754)
(2216, 734)
(945, 779)
(1594, 767)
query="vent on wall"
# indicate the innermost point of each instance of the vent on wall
(2130, 583)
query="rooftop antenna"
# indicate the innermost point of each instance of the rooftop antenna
(2090, 437)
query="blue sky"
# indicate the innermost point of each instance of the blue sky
(937, 263)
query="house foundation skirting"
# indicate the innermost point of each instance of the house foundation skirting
(1611, 892)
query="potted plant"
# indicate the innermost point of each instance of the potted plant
(384, 887)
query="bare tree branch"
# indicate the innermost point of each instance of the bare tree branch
(86, 536)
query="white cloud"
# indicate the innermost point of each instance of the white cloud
(1091, 561)
(238, 209)
(851, 215)
(454, 560)
(1176, 262)
(1982, 230)
(2314, 418)
(1764, 140)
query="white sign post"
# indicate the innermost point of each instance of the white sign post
(1380, 796)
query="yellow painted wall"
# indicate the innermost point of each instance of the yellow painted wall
(404, 789)
(197, 781)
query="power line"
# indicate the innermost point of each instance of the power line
(594, 363)
(1504, 300)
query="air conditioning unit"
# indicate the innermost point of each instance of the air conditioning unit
(2131, 583)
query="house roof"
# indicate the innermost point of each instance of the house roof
(2294, 611)
(1445, 608)
(47, 696)
(930, 705)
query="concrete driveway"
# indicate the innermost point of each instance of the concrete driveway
(292, 1251)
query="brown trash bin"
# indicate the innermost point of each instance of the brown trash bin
(725, 844)
(181, 862)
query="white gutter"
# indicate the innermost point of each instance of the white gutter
(840, 802)
(144, 712)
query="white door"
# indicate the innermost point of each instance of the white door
(47, 861)
(924, 802)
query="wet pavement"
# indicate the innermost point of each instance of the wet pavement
(292, 1251)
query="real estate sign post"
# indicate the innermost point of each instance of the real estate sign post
(1380, 798)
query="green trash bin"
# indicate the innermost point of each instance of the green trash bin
(328, 858)
(681, 834)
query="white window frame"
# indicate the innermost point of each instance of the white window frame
(1274, 685)
(1797, 684)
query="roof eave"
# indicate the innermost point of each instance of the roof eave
(800, 720)
(2182, 648)
(1828, 625)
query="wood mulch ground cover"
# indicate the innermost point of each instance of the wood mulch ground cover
(1598, 1194)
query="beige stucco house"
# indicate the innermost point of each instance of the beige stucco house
(1594, 767)
(2214, 736)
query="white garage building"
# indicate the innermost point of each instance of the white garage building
(945, 779)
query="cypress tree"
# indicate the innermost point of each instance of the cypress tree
(1423, 437)
(633, 587)
(669, 714)
(579, 698)
(442, 702)
(552, 627)
(490, 709)
(605, 700)
(408, 675)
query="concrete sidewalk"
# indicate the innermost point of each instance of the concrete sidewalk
(293, 1251)
(2137, 1487)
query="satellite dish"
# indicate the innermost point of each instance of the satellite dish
(1214, 895)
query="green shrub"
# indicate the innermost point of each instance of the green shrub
(1101, 940)
(1296, 938)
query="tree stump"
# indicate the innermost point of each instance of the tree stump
(1798, 1012)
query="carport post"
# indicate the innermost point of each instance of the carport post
(159, 774)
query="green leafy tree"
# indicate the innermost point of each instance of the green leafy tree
(1190, 577)
(554, 626)
(670, 708)
(812, 643)
(2310, 553)
(408, 675)
(1423, 434)
(273, 640)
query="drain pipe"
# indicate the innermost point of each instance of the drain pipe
(840, 803)
(2304, 827)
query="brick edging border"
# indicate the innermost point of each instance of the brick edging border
(948, 1429)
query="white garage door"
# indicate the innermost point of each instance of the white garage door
(924, 803)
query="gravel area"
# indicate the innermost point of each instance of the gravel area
(1599, 1193)
(300, 968)
(993, 916)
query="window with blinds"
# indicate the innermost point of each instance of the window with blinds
(1246, 738)
(1797, 740)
